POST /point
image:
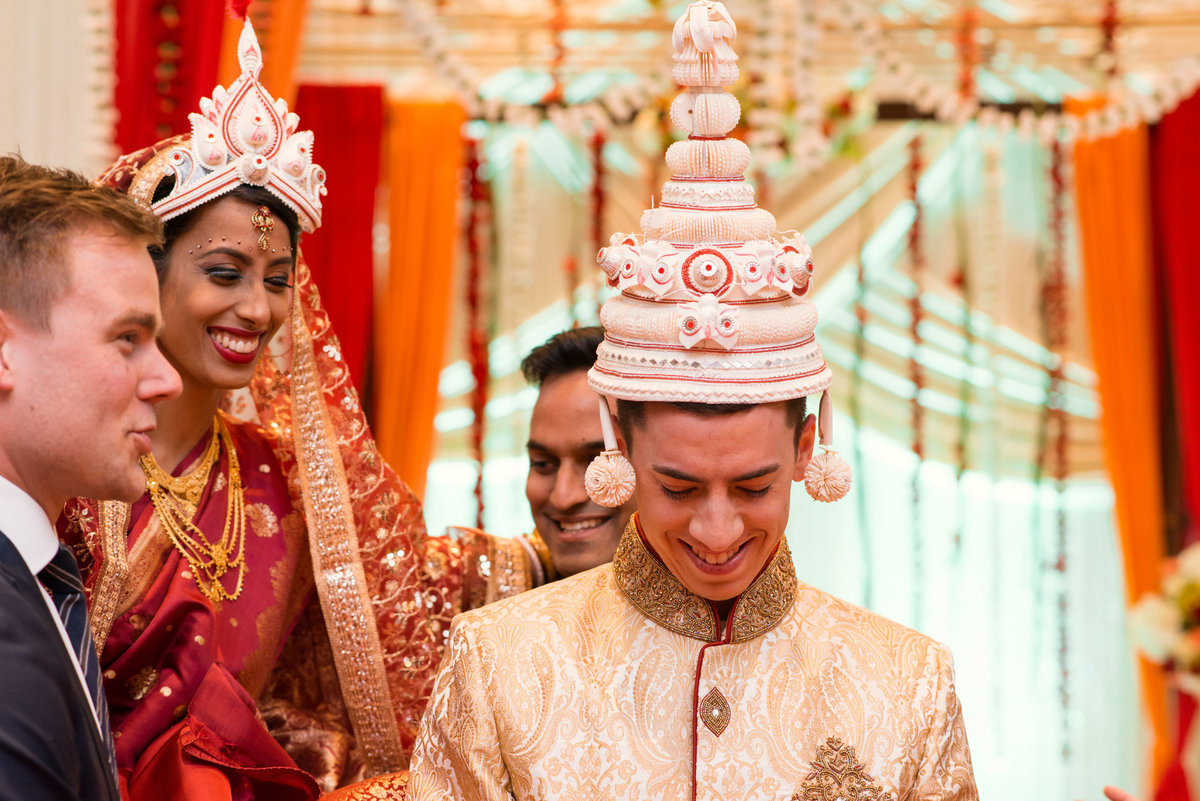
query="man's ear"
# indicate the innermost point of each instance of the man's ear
(7, 347)
(804, 450)
(620, 434)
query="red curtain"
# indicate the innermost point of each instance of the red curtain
(1175, 170)
(347, 126)
(166, 60)
(1175, 162)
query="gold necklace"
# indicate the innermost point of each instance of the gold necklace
(175, 500)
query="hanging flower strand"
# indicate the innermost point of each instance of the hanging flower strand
(597, 228)
(477, 197)
(1054, 306)
(558, 52)
(1106, 59)
(968, 51)
(915, 371)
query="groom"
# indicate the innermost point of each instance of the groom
(80, 372)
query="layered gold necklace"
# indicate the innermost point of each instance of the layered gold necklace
(176, 500)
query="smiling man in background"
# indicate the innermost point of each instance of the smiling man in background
(471, 568)
(572, 533)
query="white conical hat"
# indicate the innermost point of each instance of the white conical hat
(713, 301)
(712, 305)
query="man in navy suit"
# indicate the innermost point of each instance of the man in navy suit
(79, 373)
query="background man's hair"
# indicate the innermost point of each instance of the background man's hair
(565, 352)
(40, 209)
(632, 414)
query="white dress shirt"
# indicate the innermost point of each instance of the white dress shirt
(25, 524)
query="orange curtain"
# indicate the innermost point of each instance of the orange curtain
(424, 154)
(1112, 190)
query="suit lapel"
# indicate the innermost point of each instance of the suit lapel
(14, 569)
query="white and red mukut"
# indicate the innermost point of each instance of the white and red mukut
(242, 136)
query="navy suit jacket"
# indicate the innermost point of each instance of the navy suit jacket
(50, 748)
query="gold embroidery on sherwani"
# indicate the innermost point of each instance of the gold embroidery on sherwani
(837, 775)
(661, 597)
(573, 691)
(714, 711)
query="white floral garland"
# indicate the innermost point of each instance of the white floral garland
(893, 76)
(764, 49)
(619, 103)
(1125, 108)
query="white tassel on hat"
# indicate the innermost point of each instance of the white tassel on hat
(609, 479)
(827, 477)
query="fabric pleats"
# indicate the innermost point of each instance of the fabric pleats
(424, 155)
(1112, 193)
(347, 126)
(1175, 166)
(166, 60)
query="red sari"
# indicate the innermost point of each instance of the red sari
(340, 677)
(182, 672)
(238, 699)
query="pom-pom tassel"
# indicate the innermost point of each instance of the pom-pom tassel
(610, 479)
(827, 477)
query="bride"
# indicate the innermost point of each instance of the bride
(267, 622)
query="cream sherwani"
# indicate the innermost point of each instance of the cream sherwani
(617, 684)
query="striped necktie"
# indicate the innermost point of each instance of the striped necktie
(61, 578)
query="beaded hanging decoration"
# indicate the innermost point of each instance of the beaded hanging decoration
(1054, 447)
(478, 213)
(1109, 23)
(596, 229)
(765, 124)
(968, 51)
(856, 393)
(968, 59)
(963, 280)
(915, 371)
(558, 52)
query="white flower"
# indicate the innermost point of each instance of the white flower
(1187, 563)
(1156, 627)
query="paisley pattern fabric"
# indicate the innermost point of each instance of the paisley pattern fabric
(577, 690)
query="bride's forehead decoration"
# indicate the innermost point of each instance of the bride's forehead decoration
(714, 302)
(242, 135)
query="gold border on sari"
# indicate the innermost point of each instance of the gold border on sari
(337, 565)
(113, 526)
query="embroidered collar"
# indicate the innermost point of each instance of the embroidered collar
(661, 597)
